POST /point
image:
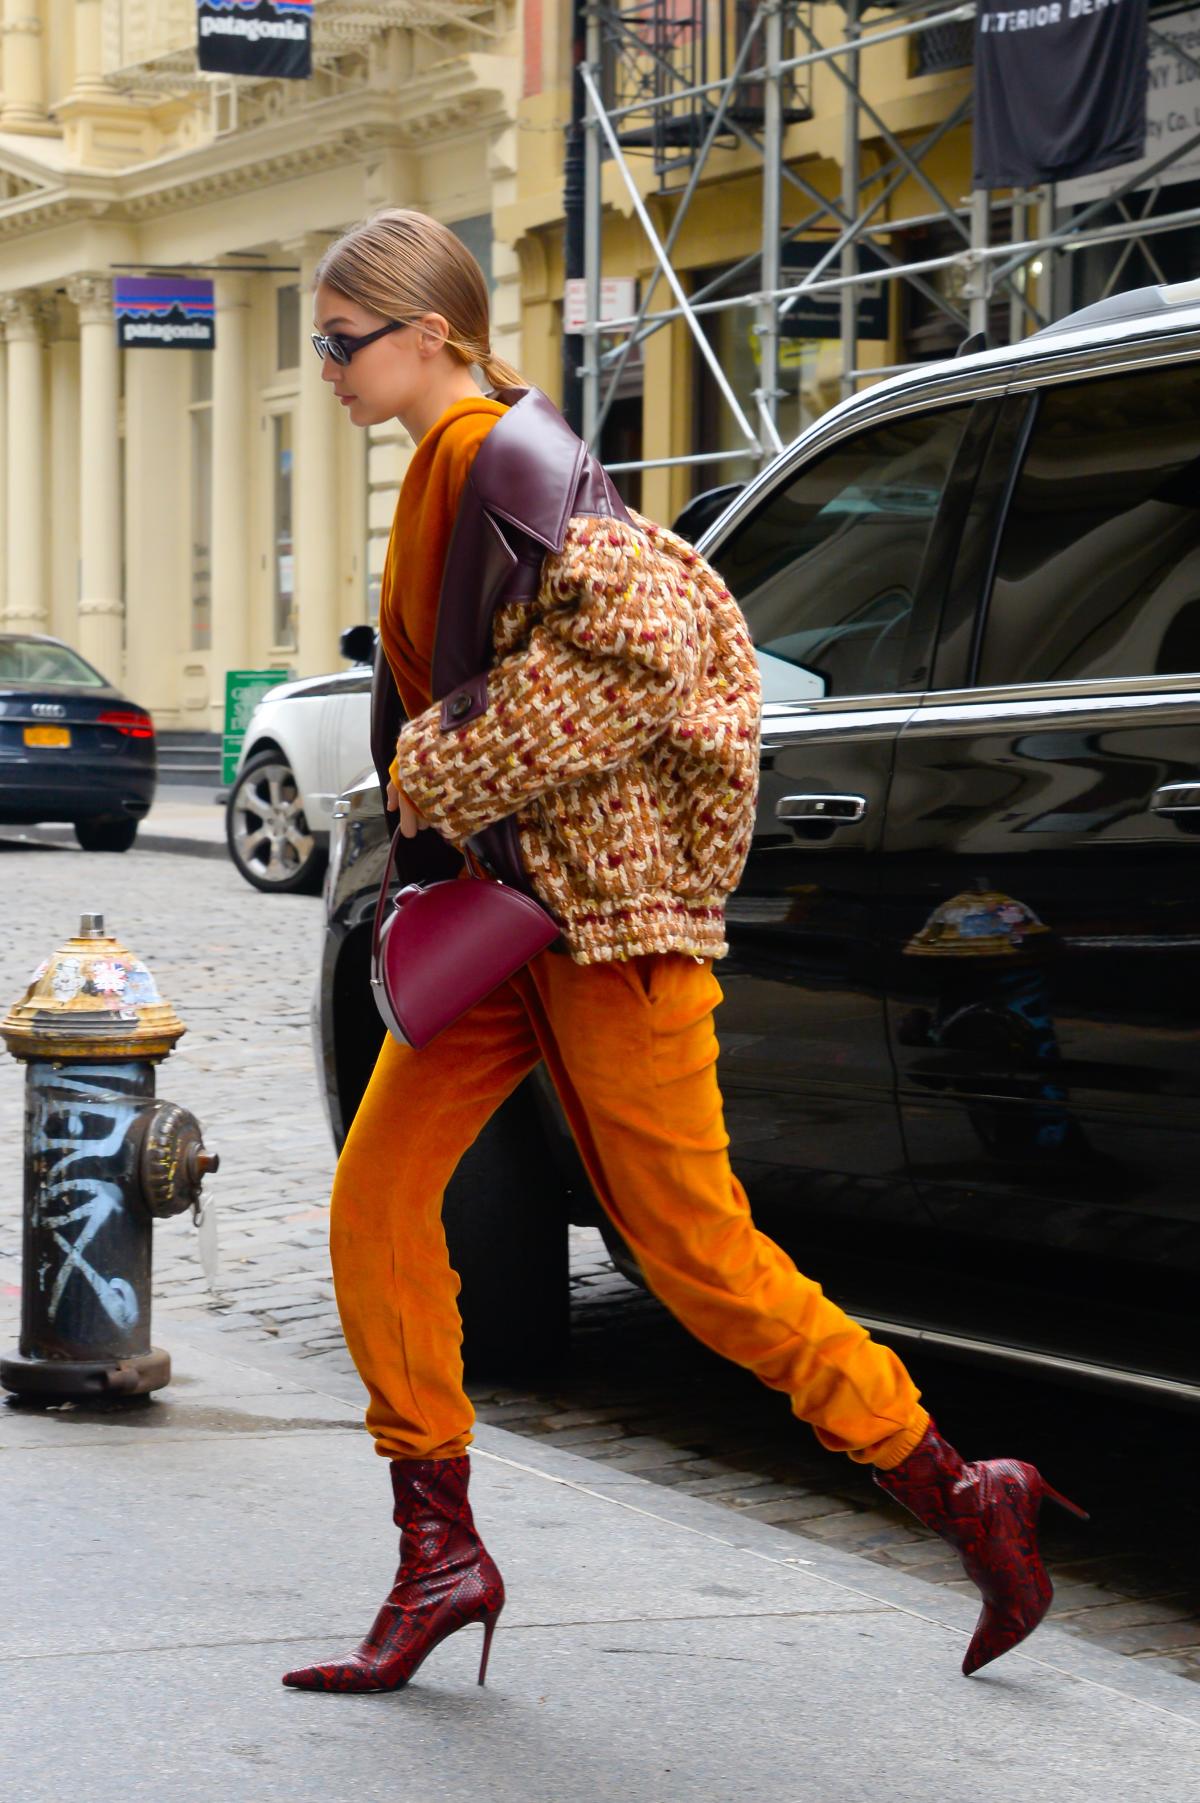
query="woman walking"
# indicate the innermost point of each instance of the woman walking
(580, 702)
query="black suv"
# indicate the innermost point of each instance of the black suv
(960, 1046)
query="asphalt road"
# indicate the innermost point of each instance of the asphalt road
(637, 1392)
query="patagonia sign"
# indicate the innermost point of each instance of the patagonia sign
(265, 38)
(173, 313)
(1060, 89)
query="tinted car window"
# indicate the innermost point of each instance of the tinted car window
(826, 568)
(35, 661)
(1098, 573)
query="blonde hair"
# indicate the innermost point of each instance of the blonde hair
(401, 265)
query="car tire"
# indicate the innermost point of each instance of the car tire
(267, 832)
(505, 1215)
(106, 835)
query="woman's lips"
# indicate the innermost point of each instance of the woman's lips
(346, 398)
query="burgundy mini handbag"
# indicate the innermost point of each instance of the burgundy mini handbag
(443, 946)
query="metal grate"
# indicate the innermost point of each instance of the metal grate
(945, 47)
(656, 49)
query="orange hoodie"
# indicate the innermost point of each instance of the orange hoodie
(420, 539)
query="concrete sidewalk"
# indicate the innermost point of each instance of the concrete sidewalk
(164, 1567)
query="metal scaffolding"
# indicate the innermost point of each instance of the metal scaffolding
(664, 83)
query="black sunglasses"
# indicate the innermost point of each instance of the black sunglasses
(341, 348)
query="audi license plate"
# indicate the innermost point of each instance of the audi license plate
(47, 735)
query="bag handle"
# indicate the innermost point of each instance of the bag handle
(381, 901)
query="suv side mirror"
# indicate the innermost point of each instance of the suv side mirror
(695, 518)
(358, 644)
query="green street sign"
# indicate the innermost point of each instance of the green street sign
(244, 689)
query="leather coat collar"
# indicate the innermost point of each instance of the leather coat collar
(530, 476)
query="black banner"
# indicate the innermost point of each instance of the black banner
(1060, 89)
(266, 38)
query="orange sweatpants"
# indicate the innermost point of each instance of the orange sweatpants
(632, 1051)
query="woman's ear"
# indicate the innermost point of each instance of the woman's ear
(433, 329)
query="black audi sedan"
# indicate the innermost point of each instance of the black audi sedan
(72, 747)
(960, 1040)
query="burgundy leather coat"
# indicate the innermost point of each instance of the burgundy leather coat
(531, 476)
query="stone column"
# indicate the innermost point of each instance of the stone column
(230, 491)
(157, 384)
(26, 485)
(24, 68)
(62, 550)
(314, 494)
(101, 604)
(89, 48)
(3, 476)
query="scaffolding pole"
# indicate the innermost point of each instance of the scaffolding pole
(719, 73)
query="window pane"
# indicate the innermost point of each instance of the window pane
(284, 612)
(287, 327)
(36, 661)
(1099, 566)
(827, 568)
(201, 433)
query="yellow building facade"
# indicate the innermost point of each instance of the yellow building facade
(174, 514)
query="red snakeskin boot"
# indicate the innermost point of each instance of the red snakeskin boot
(446, 1580)
(988, 1513)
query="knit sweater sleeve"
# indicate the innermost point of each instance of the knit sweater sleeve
(617, 646)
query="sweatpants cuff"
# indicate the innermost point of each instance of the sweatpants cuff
(893, 1452)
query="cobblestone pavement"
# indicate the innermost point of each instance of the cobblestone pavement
(638, 1392)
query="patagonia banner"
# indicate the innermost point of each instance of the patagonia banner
(1060, 89)
(164, 313)
(266, 38)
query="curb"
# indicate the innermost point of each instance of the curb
(170, 842)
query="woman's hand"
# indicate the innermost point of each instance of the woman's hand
(411, 823)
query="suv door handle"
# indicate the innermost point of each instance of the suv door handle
(1176, 798)
(830, 810)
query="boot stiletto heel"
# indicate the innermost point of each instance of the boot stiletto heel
(1055, 1496)
(489, 1628)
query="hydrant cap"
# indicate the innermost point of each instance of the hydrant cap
(91, 999)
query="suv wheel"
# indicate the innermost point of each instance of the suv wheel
(267, 832)
(106, 835)
(505, 1216)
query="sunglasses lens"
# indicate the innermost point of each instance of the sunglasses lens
(338, 351)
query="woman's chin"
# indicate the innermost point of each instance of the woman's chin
(361, 413)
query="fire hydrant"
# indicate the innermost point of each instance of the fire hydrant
(102, 1159)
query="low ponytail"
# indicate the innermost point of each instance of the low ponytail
(402, 265)
(499, 374)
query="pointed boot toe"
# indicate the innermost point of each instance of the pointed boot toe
(343, 1675)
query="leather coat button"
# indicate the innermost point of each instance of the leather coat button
(459, 706)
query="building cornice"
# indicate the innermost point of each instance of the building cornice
(461, 98)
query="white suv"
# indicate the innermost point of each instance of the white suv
(306, 742)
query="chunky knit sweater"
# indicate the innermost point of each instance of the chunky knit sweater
(622, 731)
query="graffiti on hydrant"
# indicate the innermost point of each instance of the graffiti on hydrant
(90, 1125)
